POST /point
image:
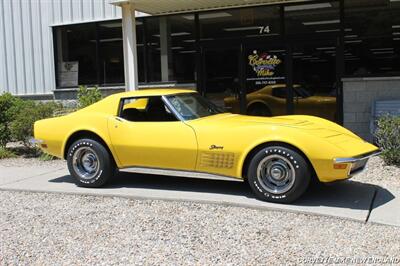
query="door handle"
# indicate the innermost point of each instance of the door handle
(119, 119)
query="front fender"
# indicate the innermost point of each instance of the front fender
(319, 152)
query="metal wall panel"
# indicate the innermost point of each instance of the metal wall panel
(26, 39)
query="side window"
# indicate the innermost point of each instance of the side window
(146, 109)
(279, 92)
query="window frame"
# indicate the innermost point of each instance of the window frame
(163, 98)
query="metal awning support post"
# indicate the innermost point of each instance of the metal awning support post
(129, 44)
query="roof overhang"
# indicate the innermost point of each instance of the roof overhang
(164, 7)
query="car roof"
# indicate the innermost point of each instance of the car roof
(154, 92)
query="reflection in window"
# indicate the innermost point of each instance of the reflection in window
(111, 53)
(372, 38)
(316, 18)
(182, 60)
(369, 18)
(76, 55)
(245, 22)
(376, 56)
(152, 29)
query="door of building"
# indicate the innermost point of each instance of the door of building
(273, 78)
(265, 79)
(221, 77)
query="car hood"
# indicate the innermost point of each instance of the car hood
(308, 124)
(312, 126)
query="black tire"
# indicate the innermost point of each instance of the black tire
(85, 155)
(281, 168)
(259, 109)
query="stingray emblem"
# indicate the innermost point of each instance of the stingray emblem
(216, 147)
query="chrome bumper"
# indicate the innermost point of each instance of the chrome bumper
(358, 163)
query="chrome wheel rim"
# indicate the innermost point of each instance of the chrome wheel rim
(86, 163)
(276, 174)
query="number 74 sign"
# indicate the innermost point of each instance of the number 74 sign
(265, 29)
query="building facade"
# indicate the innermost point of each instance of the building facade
(327, 58)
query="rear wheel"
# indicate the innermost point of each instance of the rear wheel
(278, 174)
(258, 109)
(90, 163)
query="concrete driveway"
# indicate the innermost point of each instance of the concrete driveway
(350, 200)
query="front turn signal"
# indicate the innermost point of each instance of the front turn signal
(339, 166)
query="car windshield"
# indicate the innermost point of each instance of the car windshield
(301, 92)
(192, 106)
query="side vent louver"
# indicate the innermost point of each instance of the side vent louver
(217, 160)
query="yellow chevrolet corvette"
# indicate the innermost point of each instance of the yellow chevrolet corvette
(179, 132)
(271, 101)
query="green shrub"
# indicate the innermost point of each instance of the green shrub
(8, 109)
(46, 157)
(388, 138)
(6, 153)
(28, 112)
(87, 96)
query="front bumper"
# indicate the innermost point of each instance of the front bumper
(356, 164)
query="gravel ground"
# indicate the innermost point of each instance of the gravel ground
(24, 162)
(48, 229)
(378, 173)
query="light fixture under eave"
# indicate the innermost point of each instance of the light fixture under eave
(175, 34)
(243, 28)
(322, 22)
(382, 49)
(277, 51)
(307, 7)
(331, 30)
(173, 48)
(383, 52)
(209, 15)
(353, 41)
(202, 39)
(319, 60)
(326, 48)
(113, 24)
(108, 40)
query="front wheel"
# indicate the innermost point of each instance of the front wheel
(90, 163)
(278, 174)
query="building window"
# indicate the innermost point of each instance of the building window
(372, 38)
(372, 57)
(316, 19)
(240, 23)
(110, 53)
(76, 55)
(153, 56)
(182, 50)
(91, 54)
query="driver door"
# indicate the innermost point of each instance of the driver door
(143, 140)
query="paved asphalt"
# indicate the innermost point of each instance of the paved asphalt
(350, 199)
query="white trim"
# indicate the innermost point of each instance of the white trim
(180, 173)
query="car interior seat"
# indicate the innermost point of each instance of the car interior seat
(133, 114)
(155, 110)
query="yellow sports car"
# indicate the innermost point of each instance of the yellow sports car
(271, 101)
(178, 132)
